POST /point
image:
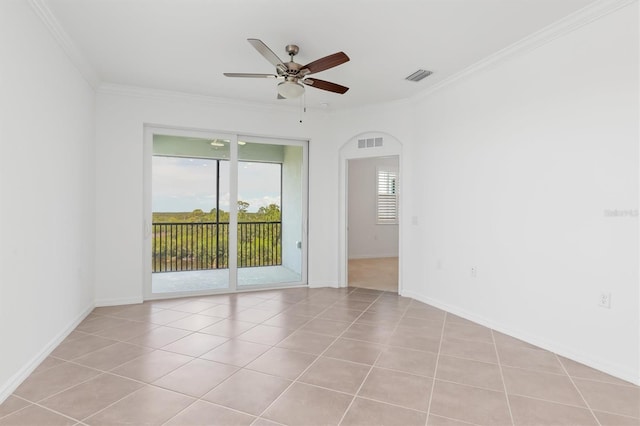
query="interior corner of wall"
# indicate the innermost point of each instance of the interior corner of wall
(7, 388)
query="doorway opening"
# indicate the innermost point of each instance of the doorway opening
(373, 190)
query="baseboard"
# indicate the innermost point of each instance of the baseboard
(115, 302)
(601, 365)
(12, 384)
(373, 256)
(321, 284)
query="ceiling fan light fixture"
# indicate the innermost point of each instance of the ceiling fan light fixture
(290, 89)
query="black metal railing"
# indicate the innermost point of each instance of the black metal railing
(197, 246)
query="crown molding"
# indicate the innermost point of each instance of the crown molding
(588, 14)
(169, 95)
(64, 41)
(539, 38)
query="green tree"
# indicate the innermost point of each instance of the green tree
(243, 206)
(271, 213)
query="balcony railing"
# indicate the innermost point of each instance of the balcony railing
(190, 246)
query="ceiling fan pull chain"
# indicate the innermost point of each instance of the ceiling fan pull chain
(302, 105)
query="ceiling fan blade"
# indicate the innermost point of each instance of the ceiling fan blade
(325, 63)
(249, 75)
(325, 85)
(268, 54)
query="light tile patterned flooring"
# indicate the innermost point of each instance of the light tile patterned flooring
(379, 273)
(307, 357)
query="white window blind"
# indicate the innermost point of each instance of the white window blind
(387, 196)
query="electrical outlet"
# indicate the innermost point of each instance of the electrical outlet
(605, 300)
(439, 265)
(474, 272)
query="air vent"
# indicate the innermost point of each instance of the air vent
(369, 143)
(419, 75)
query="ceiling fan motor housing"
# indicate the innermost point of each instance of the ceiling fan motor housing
(292, 49)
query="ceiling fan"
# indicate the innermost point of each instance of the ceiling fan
(293, 73)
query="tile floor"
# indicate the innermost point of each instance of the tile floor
(379, 273)
(307, 357)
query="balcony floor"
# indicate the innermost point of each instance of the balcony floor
(171, 282)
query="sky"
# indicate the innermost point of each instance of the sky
(186, 184)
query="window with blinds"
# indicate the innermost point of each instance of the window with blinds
(386, 196)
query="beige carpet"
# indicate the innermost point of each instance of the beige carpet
(379, 273)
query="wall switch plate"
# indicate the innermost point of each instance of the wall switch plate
(474, 272)
(605, 300)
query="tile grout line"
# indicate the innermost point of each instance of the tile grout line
(458, 420)
(144, 384)
(44, 408)
(29, 404)
(435, 368)
(335, 303)
(37, 404)
(117, 375)
(240, 369)
(504, 384)
(200, 399)
(578, 390)
(113, 403)
(244, 367)
(364, 380)
(319, 355)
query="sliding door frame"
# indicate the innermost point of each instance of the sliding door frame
(304, 207)
(149, 132)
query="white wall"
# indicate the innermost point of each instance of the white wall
(508, 170)
(119, 187)
(46, 188)
(517, 165)
(367, 238)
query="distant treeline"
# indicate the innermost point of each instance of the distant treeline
(270, 213)
(184, 241)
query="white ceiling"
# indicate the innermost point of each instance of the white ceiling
(186, 45)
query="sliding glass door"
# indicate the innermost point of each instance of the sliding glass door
(271, 190)
(190, 214)
(223, 213)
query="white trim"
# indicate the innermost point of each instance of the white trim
(323, 284)
(373, 256)
(233, 214)
(621, 372)
(118, 301)
(176, 96)
(304, 195)
(392, 148)
(7, 388)
(192, 294)
(149, 131)
(559, 28)
(566, 25)
(64, 41)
